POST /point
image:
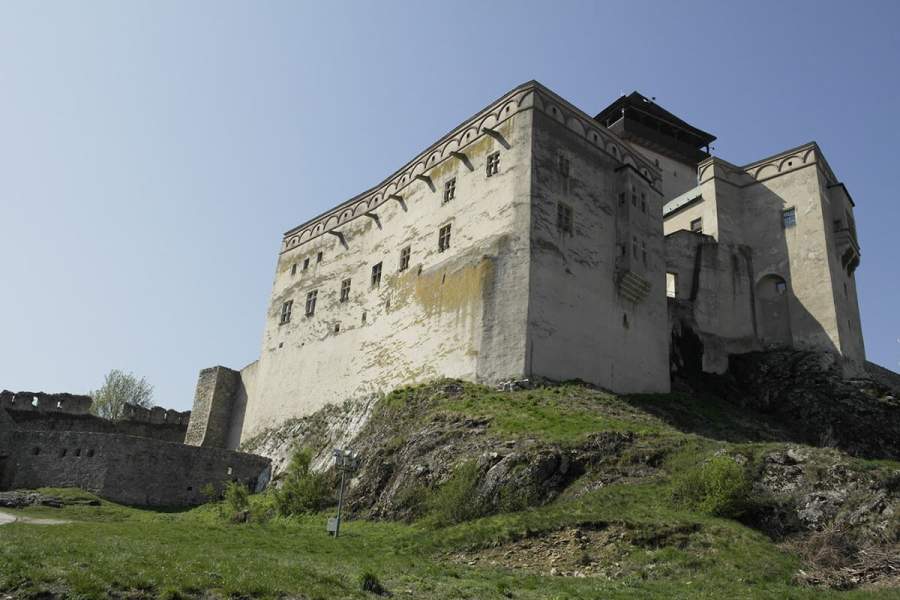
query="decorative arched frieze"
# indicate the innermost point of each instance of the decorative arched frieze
(530, 95)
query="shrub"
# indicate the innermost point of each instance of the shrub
(302, 490)
(368, 582)
(457, 500)
(719, 487)
(237, 500)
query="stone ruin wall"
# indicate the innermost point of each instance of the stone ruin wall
(122, 468)
(71, 412)
(213, 406)
(51, 440)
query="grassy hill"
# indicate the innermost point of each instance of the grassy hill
(465, 492)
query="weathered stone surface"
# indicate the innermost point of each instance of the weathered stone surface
(122, 468)
(808, 391)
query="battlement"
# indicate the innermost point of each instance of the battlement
(70, 404)
(77, 404)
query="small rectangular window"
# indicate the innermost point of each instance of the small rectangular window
(563, 165)
(644, 252)
(345, 290)
(564, 218)
(337, 326)
(621, 198)
(789, 218)
(404, 258)
(697, 225)
(671, 285)
(493, 164)
(286, 312)
(449, 190)
(643, 203)
(311, 303)
(444, 238)
(319, 257)
(306, 263)
(634, 247)
(837, 225)
(294, 269)
(634, 200)
(376, 275)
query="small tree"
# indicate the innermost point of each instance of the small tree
(117, 390)
(302, 489)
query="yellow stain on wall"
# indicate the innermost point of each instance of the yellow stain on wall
(443, 290)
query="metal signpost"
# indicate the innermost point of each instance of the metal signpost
(345, 461)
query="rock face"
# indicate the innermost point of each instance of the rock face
(806, 391)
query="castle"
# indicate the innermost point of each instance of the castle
(534, 241)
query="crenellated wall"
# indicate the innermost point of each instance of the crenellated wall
(70, 404)
(39, 411)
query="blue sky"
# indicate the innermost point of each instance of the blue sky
(152, 153)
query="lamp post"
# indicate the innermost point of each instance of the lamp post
(345, 461)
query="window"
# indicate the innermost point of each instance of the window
(444, 238)
(449, 190)
(404, 258)
(294, 269)
(345, 290)
(837, 225)
(671, 285)
(563, 165)
(644, 252)
(493, 164)
(780, 287)
(337, 326)
(376, 275)
(634, 246)
(643, 203)
(319, 257)
(564, 218)
(789, 218)
(634, 199)
(306, 263)
(311, 303)
(621, 198)
(286, 312)
(364, 318)
(697, 225)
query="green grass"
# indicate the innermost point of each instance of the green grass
(663, 551)
(566, 413)
(144, 553)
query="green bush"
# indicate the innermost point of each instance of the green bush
(718, 486)
(302, 490)
(237, 500)
(457, 500)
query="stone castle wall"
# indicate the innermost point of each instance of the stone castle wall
(39, 411)
(460, 312)
(213, 404)
(124, 468)
(743, 207)
(121, 468)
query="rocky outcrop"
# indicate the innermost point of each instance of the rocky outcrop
(843, 518)
(808, 393)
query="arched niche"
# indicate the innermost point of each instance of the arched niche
(773, 309)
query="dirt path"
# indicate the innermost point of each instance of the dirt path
(6, 519)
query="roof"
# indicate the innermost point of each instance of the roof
(640, 103)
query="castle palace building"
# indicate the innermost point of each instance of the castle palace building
(535, 242)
